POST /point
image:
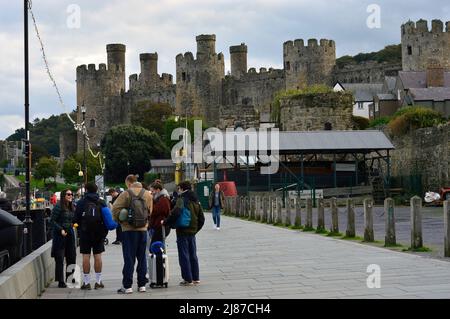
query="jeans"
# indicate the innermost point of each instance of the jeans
(187, 257)
(134, 247)
(119, 233)
(216, 215)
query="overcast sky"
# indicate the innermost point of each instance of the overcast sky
(169, 27)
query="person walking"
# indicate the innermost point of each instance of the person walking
(92, 232)
(63, 245)
(216, 202)
(114, 193)
(186, 242)
(138, 204)
(161, 210)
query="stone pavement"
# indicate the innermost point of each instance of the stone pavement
(252, 260)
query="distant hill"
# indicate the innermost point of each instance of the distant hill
(391, 54)
(44, 133)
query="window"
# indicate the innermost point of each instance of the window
(360, 106)
(376, 107)
(92, 123)
(328, 126)
(409, 50)
(183, 76)
(288, 65)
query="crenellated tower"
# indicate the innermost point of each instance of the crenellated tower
(238, 57)
(94, 87)
(308, 65)
(422, 47)
(199, 81)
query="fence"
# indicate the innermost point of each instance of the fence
(287, 212)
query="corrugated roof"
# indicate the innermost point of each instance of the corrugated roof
(291, 142)
(162, 163)
(431, 94)
(363, 92)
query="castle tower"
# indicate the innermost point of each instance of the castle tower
(199, 81)
(94, 86)
(238, 55)
(308, 65)
(149, 66)
(422, 48)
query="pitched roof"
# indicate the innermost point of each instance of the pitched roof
(418, 79)
(363, 92)
(430, 94)
(386, 97)
(161, 163)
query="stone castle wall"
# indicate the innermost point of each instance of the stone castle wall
(422, 46)
(310, 112)
(368, 72)
(424, 152)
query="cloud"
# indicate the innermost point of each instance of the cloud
(170, 26)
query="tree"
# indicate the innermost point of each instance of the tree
(46, 168)
(37, 152)
(151, 115)
(172, 123)
(74, 163)
(128, 150)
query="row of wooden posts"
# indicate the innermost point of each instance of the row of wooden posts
(270, 210)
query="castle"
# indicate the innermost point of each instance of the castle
(243, 97)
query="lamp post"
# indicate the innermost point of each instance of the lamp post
(28, 222)
(83, 111)
(80, 174)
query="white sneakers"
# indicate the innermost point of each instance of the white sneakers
(142, 289)
(218, 228)
(125, 291)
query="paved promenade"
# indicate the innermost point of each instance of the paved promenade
(252, 260)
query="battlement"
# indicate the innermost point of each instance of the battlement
(421, 26)
(148, 56)
(186, 57)
(242, 48)
(92, 69)
(299, 44)
(205, 37)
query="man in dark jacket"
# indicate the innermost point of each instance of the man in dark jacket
(216, 203)
(187, 247)
(92, 235)
(115, 192)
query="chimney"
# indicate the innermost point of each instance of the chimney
(435, 76)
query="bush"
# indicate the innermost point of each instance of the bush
(360, 123)
(379, 121)
(411, 118)
(149, 178)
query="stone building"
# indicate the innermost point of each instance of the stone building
(318, 111)
(422, 46)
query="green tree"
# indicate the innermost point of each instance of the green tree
(151, 115)
(173, 122)
(37, 152)
(74, 163)
(46, 168)
(128, 150)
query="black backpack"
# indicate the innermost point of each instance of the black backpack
(92, 220)
(138, 210)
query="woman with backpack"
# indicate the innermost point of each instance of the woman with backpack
(63, 245)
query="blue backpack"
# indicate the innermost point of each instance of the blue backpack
(184, 220)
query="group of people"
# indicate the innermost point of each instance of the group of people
(161, 212)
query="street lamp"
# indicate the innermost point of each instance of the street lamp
(28, 222)
(83, 111)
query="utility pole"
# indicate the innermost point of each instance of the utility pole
(28, 222)
(83, 111)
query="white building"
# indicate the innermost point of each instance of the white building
(364, 94)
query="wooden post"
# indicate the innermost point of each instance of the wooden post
(416, 222)
(320, 215)
(298, 213)
(350, 232)
(271, 210)
(287, 215)
(368, 221)
(389, 239)
(279, 204)
(308, 213)
(334, 216)
(447, 228)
